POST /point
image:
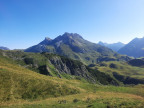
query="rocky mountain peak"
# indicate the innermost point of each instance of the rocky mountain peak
(71, 35)
(72, 45)
(68, 38)
(46, 41)
(47, 38)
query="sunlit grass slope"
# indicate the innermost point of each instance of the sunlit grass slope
(122, 68)
(18, 83)
(23, 88)
(58, 66)
(93, 97)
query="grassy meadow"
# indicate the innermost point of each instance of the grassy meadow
(23, 88)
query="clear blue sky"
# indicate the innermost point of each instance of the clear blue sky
(24, 23)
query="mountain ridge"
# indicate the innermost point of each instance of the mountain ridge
(4, 48)
(114, 46)
(73, 45)
(134, 48)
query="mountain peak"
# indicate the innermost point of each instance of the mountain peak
(68, 36)
(45, 41)
(134, 48)
(74, 46)
(71, 35)
(47, 38)
(101, 43)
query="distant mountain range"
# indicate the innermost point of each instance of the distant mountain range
(4, 48)
(113, 46)
(135, 48)
(72, 45)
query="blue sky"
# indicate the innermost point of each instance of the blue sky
(24, 23)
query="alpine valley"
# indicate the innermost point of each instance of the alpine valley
(69, 71)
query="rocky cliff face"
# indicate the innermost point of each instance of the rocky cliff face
(66, 66)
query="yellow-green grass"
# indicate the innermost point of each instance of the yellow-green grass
(123, 69)
(84, 100)
(18, 83)
(22, 88)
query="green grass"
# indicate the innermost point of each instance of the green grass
(18, 83)
(54, 65)
(23, 88)
(85, 100)
(123, 69)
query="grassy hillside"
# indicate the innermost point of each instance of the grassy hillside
(122, 70)
(18, 83)
(93, 96)
(23, 88)
(59, 66)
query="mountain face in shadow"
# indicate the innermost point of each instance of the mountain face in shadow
(135, 48)
(73, 45)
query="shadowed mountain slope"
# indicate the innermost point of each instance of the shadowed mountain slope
(134, 48)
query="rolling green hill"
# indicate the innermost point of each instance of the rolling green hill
(58, 66)
(137, 62)
(123, 72)
(21, 87)
(110, 72)
(19, 83)
(24, 88)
